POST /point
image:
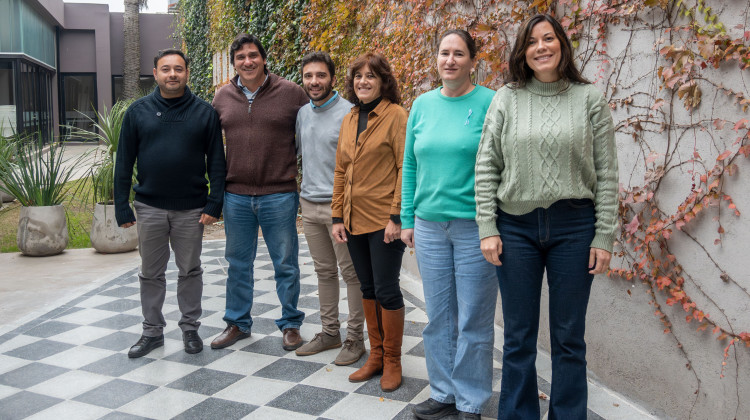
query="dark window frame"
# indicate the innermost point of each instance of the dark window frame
(64, 135)
(38, 92)
(119, 76)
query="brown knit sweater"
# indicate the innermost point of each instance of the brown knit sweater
(261, 156)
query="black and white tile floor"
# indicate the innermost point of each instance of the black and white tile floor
(71, 363)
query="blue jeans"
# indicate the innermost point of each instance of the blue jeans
(460, 291)
(276, 215)
(557, 239)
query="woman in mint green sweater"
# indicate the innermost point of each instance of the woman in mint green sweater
(546, 193)
(437, 216)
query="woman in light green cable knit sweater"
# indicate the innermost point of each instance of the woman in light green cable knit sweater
(546, 191)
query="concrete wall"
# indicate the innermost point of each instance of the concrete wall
(156, 34)
(76, 48)
(51, 10)
(675, 375)
(94, 17)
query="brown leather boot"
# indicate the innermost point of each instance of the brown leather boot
(374, 363)
(393, 329)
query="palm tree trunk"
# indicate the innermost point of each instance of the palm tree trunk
(132, 61)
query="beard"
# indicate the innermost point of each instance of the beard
(324, 94)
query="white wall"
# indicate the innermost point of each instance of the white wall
(678, 374)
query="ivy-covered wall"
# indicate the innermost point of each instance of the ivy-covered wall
(669, 326)
(194, 29)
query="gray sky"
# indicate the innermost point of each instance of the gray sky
(154, 6)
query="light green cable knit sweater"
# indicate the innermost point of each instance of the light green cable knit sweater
(543, 143)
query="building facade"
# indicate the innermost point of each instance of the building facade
(60, 62)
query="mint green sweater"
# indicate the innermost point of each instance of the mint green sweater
(442, 137)
(543, 143)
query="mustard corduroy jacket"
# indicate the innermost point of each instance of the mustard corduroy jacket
(367, 178)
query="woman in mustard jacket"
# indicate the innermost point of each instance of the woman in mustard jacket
(366, 206)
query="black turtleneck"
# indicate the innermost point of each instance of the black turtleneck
(364, 111)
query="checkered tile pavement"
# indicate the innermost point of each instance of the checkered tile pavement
(72, 363)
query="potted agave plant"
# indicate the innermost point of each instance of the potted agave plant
(7, 153)
(35, 175)
(106, 236)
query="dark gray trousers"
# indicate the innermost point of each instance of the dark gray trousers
(157, 230)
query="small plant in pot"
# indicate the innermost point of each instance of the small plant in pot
(106, 236)
(35, 174)
(7, 153)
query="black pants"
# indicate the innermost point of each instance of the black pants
(378, 265)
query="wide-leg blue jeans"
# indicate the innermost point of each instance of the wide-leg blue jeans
(460, 291)
(557, 240)
(276, 215)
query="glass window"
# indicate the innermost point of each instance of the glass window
(10, 27)
(79, 96)
(30, 98)
(34, 100)
(147, 85)
(38, 36)
(7, 99)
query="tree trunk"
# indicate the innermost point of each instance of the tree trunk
(131, 68)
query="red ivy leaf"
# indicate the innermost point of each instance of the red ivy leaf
(699, 315)
(633, 226)
(724, 155)
(663, 281)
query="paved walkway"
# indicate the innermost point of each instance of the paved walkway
(68, 359)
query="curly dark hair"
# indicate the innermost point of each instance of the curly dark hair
(520, 72)
(380, 67)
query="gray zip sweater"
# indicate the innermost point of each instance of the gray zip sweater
(317, 138)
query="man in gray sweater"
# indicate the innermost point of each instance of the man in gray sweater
(318, 125)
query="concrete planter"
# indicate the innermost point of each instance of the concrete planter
(5, 197)
(106, 236)
(42, 231)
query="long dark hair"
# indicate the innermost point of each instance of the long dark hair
(380, 67)
(520, 72)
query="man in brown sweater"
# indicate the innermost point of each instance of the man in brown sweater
(258, 112)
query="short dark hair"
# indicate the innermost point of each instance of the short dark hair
(465, 36)
(243, 39)
(520, 72)
(380, 67)
(319, 57)
(171, 51)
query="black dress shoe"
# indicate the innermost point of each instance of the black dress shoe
(193, 342)
(432, 409)
(462, 415)
(145, 345)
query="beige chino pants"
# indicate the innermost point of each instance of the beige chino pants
(328, 257)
